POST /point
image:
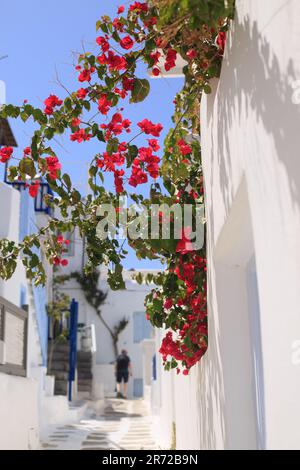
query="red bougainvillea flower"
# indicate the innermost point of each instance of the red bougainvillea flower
(168, 304)
(120, 9)
(126, 43)
(104, 104)
(118, 177)
(155, 57)
(128, 83)
(138, 7)
(150, 22)
(81, 93)
(154, 144)
(103, 43)
(27, 151)
(116, 125)
(184, 148)
(221, 41)
(34, 188)
(149, 128)
(185, 245)
(155, 72)
(138, 176)
(57, 261)
(5, 154)
(80, 136)
(170, 59)
(115, 62)
(50, 103)
(118, 25)
(75, 122)
(53, 167)
(85, 75)
(191, 54)
(60, 239)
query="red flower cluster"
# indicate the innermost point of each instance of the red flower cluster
(195, 311)
(149, 128)
(192, 54)
(80, 136)
(27, 152)
(145, 161)
(184, 148)
(50, 103)
(146, 156)
(34, 188)
(86, 74)
(53, 167)
(62, 241)
(57, 261)
(126, 43)
(113, 61)
(116, 126)
(81, 93)
(103, 43)
(109, 163)
(104, 104)
(185, 245)
(138, 175)
(221, 41)
(118, 179)
(5, 154)
(170, 59)
(139, 7)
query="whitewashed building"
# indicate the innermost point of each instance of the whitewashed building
(244, 394)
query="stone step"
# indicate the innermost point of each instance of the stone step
(85, 382)
(84, 366)
(84, 387)
(84, 355)
(84, 375)
(62, 347)
(59, 366)
(60, 375)
(61, 387)
(60, 356)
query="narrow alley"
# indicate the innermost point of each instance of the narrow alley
(122, 425)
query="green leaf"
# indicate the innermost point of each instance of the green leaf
(66, 178)
(140, 90)
(132, 153)
(112, 146)
(207, 89)
(27, 167)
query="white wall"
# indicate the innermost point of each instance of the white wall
(245, 391)
(18, 413)
(9, 228)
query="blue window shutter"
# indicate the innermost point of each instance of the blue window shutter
(141, 327)
(138, 387)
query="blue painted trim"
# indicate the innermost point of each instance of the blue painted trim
(73, 344)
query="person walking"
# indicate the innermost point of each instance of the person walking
(123, 370)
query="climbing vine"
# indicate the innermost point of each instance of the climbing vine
(156, 33)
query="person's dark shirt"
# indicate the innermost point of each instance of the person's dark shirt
(123, 362)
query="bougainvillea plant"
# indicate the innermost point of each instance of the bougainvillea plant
(157, 33)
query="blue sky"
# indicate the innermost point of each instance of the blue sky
(40, 38)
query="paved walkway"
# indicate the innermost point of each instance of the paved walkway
(124, 425)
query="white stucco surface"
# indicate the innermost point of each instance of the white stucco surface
(245, 392)
(19, 425)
